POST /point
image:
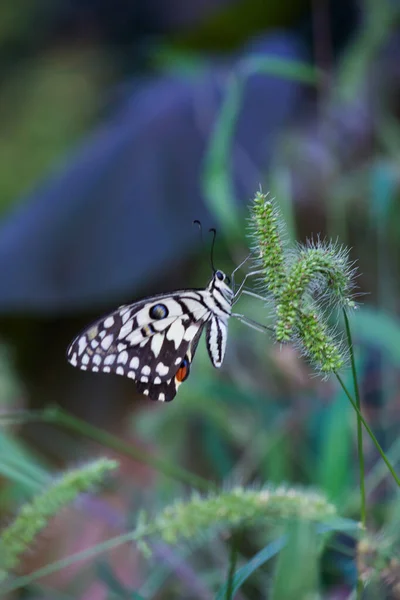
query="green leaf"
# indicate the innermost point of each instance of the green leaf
(334, 466)
(338, 524)
(218, 186)
(19, 466)
(272, 549)
(300, 558)
(247, 570)
(378, 329)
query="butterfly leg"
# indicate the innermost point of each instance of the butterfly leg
(254, 295)
(252, 324)
(239, 291)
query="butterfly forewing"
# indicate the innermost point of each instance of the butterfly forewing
(153, 341)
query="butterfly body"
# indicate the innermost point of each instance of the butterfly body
(153, 341)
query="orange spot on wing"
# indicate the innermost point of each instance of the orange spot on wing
(181, 373)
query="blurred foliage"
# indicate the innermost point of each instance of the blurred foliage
(232, 25)
(11, 388)
(45, 106)
(263, 419)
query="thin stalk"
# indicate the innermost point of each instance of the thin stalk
(58, 416)
(369, 431)
(82, 555)
(232, 566)
(360, 585)
(359, 423)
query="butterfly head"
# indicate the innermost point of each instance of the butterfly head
(221, 283)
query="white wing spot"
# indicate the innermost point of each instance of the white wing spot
(178, 360)
(120, 371)
(157, 380)
(146, 392)
(156, 344)
(85, 359)
(109, 359)
(146, 370)
(84, 367)
(81, 345)
(176, 333)
(132, 374)
(102, 334)
(134, 363)
(134, 338)
(109, 322)
(123, 357)
(162, 369)
(94, 344)
(97, 359)
(144, 379)
(106, 369)
(121, 347)
(161, 397)
(125, 314)
(125, 329)
(95, 369)
(190, 332)
(74, 360)
(194, 306)
(106, 343)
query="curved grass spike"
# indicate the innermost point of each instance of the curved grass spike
(302, 283)
(317, 344)
(319, 274)
(192, 519)
(35, 515)
(234, 508)
(266, 224)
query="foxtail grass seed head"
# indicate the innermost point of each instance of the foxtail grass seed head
(316, 343)
(302, 283)
(334, 273)
(239, 506)
(35, 515)
(266, 225)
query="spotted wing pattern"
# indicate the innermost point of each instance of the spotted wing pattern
(154, 341)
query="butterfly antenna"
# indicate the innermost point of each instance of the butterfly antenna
(214, 232)
(197, 222)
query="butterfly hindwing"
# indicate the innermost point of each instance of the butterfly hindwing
(166, 391)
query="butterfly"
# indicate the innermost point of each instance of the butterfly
(154, 341)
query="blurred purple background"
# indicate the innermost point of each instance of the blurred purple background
(111, 210)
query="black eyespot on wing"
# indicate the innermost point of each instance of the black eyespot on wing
(158, 311)
(219, 275)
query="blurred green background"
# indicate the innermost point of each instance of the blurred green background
(120, 123)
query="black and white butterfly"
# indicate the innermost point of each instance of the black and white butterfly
(153, 341)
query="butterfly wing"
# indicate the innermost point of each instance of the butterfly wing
(217, 331)
(152, 342)
(166, 391)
